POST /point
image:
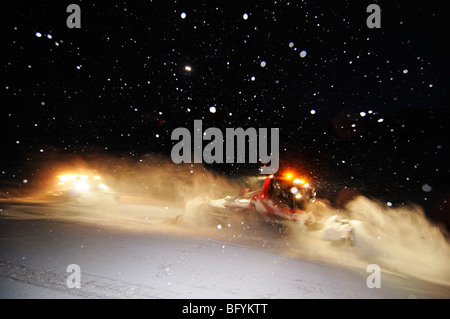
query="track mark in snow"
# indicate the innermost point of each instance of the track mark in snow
(92, 287)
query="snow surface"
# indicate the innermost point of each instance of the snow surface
(141, 251)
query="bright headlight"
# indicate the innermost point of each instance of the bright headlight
(81, 186)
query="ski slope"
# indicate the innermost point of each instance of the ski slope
(138, 251)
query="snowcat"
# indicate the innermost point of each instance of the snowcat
(82, 189)
(284, 198)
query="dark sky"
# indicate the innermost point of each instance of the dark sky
(359, 105)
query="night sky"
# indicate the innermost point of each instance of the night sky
(358, 108)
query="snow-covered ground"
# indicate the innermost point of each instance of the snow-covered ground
(140, 250)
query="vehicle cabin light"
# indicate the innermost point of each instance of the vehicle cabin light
(299, 181)
(66, 178)
(73, 177)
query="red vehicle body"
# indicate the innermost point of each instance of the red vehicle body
(284, 197)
